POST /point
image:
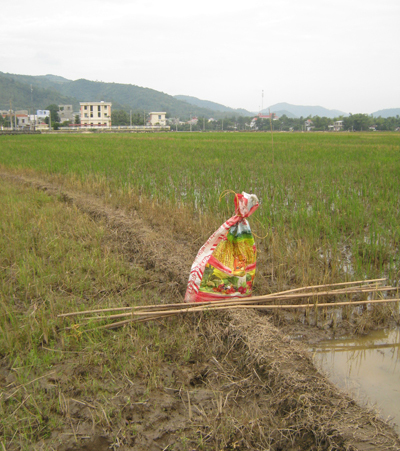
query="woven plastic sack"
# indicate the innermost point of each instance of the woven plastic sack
(226, 264)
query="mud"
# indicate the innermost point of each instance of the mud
(261, 383)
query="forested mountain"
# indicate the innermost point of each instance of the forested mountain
(32, 92)
(280, 113)
(390, 112)
(303, 110)
(23, 96)
(130, 97)
(214, 106)
(41, 81)
(36, 92)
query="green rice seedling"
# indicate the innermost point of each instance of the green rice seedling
(324, 190)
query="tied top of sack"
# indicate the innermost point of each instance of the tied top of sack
(245, 204)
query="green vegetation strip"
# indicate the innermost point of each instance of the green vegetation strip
(336, 194)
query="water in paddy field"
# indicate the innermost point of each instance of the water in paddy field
(367, 367)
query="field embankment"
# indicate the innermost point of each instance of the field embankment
(208, 382)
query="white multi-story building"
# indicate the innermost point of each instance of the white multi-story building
(95, 114)
(338, 126)
(157, 118)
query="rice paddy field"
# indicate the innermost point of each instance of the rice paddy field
(113, 220)
(333, 197)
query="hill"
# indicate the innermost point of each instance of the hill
(33, 92)
(41, 81)
(287, 113)
(130, 97)
(303, 110)
(48, 89)
(213, 106)
(22, 96)
(390, 112)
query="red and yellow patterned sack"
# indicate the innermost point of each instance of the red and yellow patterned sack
(226, 264)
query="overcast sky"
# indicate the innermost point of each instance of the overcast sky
(342, 54)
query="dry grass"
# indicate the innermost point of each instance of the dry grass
(211, 382)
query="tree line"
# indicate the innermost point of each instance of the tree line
(353, 122)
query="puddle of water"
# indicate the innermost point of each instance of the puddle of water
(367, 367)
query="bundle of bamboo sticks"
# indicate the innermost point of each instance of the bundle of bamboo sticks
(282, 300)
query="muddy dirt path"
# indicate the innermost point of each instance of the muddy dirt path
(288, 403)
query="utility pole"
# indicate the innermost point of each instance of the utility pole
(11, 124)
(30, 124)
(272, 137)
(262, 100)
(49, 120)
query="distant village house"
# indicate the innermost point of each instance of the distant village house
(66, 113)
(193, 120)
(272, 116)
(336, 127)
(22, 119)
(253, 123)
(19, 119)
(157, 118)
(309, 125)
(41, 114)
(95, 114)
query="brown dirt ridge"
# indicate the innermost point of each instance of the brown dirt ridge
(248, 386)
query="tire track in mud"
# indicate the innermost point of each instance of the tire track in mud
(317, 414)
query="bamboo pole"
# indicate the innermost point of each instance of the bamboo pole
(271, 296)
(329, 304)
(146, 315)
(152, 317)
(334, 285)
(232, 303)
